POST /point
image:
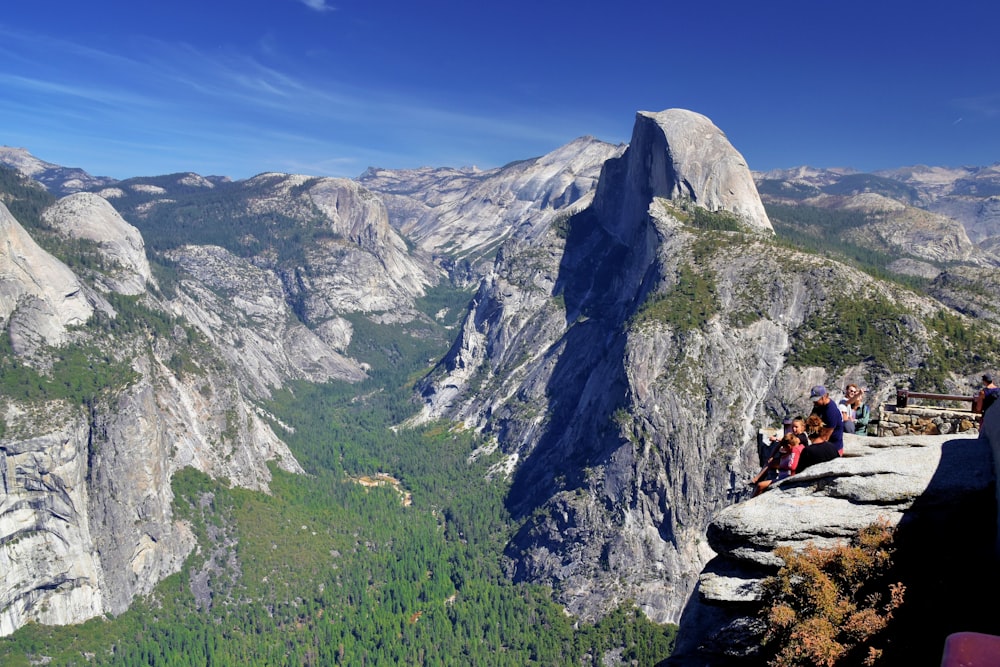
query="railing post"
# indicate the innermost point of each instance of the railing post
(902, 396)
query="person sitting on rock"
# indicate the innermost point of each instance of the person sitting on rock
(846, 411)
(859, 414)
(799, 429)
(817, 451)
(782, 464)
(796, 426)
(986, 397)
(833, 422)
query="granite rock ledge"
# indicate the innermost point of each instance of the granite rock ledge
(939, 490)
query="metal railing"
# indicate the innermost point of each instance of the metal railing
(903, 397)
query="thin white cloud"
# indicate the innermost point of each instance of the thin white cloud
(165, 102)
(984, 105)
(318, 5)
(54, 90)
(242, 81)
(174, 75)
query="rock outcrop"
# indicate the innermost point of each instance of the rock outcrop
(677, 155)
(40, 297)
(937, 490)
(89, 217)
(462, 215)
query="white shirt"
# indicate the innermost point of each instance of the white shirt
(846, 409)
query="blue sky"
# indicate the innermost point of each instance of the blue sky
(331, 87)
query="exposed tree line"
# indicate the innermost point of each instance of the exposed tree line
(24, 198)
(218, 216)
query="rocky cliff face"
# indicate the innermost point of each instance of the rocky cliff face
(243, 309)
(461, 216)
(39, 296)
(85, 518)
(623, 360)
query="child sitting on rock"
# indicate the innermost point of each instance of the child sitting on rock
(820, 451)
(782, 464)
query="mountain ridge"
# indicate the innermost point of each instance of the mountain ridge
(636, 318)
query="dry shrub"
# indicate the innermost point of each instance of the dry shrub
(829, 606)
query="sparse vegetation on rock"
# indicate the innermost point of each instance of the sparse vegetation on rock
(831, 606)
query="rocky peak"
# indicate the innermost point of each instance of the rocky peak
(23, 161)
(356, 213)
(599, 437)
(679, 154)
(40, 297)
(464, 214)
(90, 217)
(59, 180)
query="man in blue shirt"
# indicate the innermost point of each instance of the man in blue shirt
(833, 421)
